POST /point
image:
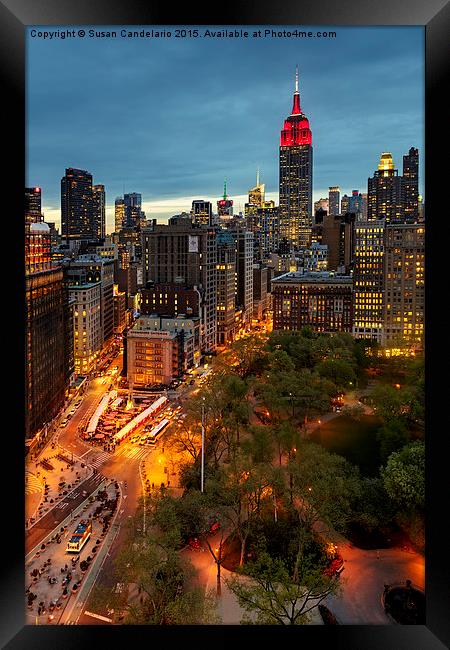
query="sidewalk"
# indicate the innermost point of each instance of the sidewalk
(56, 471)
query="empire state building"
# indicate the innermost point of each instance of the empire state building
(296, 160)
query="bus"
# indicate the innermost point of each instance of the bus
(155, 432)
(79, 537)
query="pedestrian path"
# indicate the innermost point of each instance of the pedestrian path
(134, 452)
(99, 460)
(32, 483)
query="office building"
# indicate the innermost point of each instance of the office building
(296, 163)
(321, 300)
(385, 192)
(225, 205)
(334, 194)
(119, 214)
(185, 253)
(226, 287)
(368, 280)
(90, 268)
(33, 204)
(99, 210)
(355, 203)
(404, 285)
(88, 335)
(201, 212)
(410, 186)
(154, 356)
(77, 220)
(337, 232)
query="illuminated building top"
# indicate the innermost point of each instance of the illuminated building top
(296, 129)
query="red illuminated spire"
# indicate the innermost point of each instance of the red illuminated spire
(296, 110)
(296, 127)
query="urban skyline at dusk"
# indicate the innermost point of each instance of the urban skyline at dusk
(217, 360)
(171, 119)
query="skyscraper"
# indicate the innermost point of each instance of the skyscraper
(296, 160)
(225, 205)
(76, 205)
(385, 192)
(119, 214)
(256, 195)
(355, 203)
(226, 289)
(185, 253)
(334, 194)
(410, 186)
(133, 211)
(33, 204)
(368, 280)
(404, 292)
(98, 207)
(201, 212)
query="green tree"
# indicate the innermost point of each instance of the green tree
(392, 437)
(404, 476)
(271, 597)
(339, 371)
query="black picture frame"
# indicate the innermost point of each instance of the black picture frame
(15, 16)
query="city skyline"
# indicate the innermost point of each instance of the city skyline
(369, 101)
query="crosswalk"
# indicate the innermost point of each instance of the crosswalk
(32, 483)
(98, 461)
(134, 452)
(124, 452)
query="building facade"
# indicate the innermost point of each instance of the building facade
(87, 325)
(99, 210)
(404, 279)
(296, 172)
(320, 300)
(226, 287)
(334, 194)
(368, 280)
(185, 253)
(77, 216)
(384, 192)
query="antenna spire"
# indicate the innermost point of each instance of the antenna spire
(296, 78)
(224, 189)
(257, 177)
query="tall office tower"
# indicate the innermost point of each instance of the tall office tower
(201, 212)
(244, 273)
(345, 204)
(355, 203)
(410, 186)
(89, 269)
(385, 192)
(225, 205)
(321, 204)
(261, 297)
(133, 210)
(99, 210)
(226, 296)
(368, 280)
(256, 195)
(33, 207)
(404, 291)
(296, 161)
(119, 214)
(76, 205)
(49, 351)
(334, 194)
(421, 210)
(88, 337)
(185, 253)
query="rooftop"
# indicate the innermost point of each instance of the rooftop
(322, 277)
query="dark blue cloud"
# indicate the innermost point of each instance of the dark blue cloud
(173, 117)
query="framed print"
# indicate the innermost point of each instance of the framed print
(228, 364)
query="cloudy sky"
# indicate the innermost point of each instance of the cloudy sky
(171, 118)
